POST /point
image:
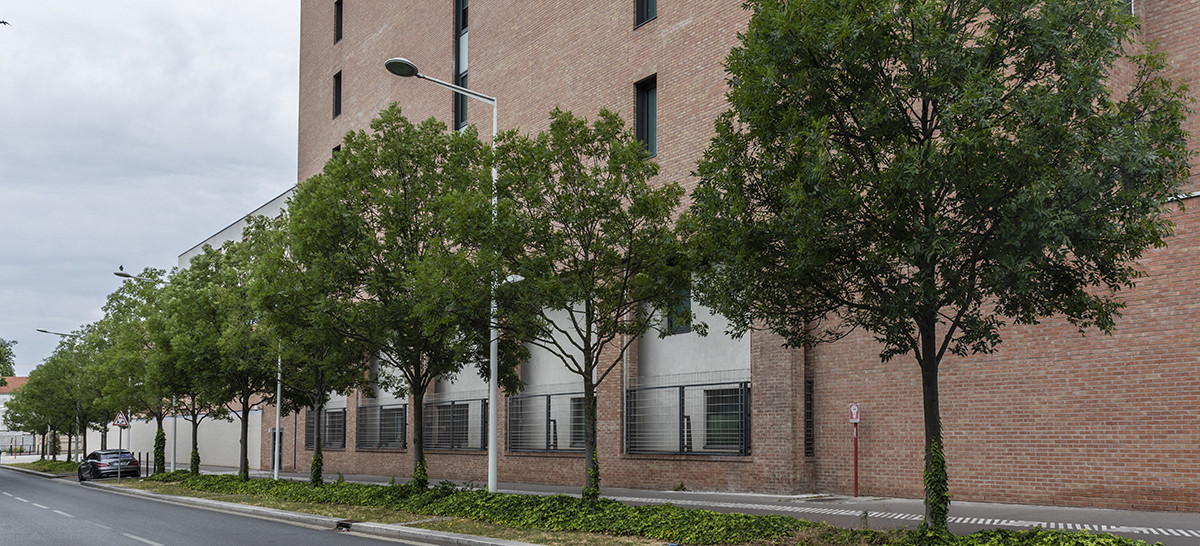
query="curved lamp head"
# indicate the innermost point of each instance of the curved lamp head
(401, 67)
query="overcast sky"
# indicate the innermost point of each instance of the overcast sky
(131, 130)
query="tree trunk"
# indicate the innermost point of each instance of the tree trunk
(104, 434)
(160, 445)
(243, 449)
(591, 484)
(420, 477)
(194, 466)
(317, 469)
(937, 498)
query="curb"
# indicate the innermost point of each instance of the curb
(328, 523)
(34, 472)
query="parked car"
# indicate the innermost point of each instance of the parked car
(107, 463)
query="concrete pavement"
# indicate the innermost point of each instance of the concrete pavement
(1170, 528)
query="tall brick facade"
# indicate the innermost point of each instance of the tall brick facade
(1053, 417)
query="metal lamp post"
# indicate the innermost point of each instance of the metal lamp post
(406, 69)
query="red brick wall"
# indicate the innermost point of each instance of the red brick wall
(1052, 417)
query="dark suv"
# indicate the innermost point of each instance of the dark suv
(107, 463)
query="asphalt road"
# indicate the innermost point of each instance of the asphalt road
(60, 512)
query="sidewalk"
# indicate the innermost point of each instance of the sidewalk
(1170, 528)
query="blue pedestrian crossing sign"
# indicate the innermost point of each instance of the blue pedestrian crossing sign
(121, 421)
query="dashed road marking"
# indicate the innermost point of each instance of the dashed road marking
(61, 513)
(20, 499)
(7, 494)
(1159, 531)
(40, 506)
(140, 539)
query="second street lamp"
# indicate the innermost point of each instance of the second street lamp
(406, 69)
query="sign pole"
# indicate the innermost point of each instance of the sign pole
(855, 459)
(854, 417)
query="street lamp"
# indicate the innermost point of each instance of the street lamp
(406, 69)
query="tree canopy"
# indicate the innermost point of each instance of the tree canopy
(932, 170)
(374, 234)
(595, 244)
(8, 360)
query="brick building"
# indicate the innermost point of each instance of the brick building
(1052, 418)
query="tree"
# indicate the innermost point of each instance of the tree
(187, 334)
(372, 234)
(241, 370)
(320, 360)
(127, 356)
(596, 246)
(7, 360)
(930, 171)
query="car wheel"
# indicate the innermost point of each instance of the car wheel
(82, 478)
(94, 473)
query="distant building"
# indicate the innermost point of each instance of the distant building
(13, 440)
(1051, 418)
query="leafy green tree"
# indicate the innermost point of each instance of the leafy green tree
(188, 335)
(372, 235)
(320, 360)
(241, 369)
(930, 171)
(7, 360)
(595, 244)
(127, 357)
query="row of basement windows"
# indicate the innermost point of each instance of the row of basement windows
(658, 423)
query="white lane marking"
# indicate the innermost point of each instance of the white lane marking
(20, 499)
(40, 506)
(140, 539)
(61, 513)
(7, 494)
(99, 525)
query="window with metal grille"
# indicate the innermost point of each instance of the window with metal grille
(333, 429)
(810, 432)
(534, 422)
(577, 422)
(722, 418)
(382, 427)
(456, 424)
(711, 418)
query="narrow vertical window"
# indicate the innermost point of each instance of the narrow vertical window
(461, 21)
(337, 21)
(645, 11)
(647, 114)
(336, 149)
(810, 433)
(337, 94)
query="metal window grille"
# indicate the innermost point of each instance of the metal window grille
(333, 429)
(382, 427)
(810, 432)
(456, 424)
(667, 419)
(545, 422)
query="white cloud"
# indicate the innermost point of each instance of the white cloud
(130, 130)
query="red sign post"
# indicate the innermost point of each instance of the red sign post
(854, 416)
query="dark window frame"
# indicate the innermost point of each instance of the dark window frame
(461, 28)
(723, 417)
(329, 434)
(338, 17)
(646, 114)
(644, 11)
(810, 430)
(337, 94)
(578, 422)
